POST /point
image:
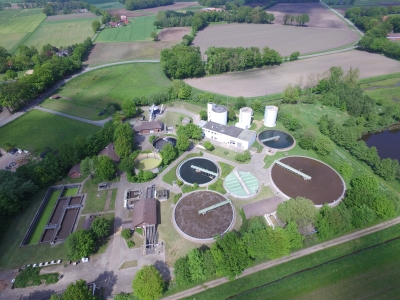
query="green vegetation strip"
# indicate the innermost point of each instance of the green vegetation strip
(349, 267)
(31, 277)
(69, 192)
(44, 218)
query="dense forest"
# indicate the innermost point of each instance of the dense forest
(377, 23)
(141, 4)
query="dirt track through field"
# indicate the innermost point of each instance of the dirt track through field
(284, 39)
(272, 80)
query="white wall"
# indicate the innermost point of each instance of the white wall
(222, 138)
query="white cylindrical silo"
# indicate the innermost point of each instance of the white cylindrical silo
(271, 112)
(219, 114)
(245, 114)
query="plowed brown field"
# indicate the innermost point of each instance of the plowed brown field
(284, 39)
(173, 34)
(272, 80)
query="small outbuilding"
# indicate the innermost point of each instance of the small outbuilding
(75, 171)
(109, 151)
(148, 127)
(144, 213)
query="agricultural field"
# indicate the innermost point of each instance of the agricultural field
(103, 53)
(61, 32)
(114, 10)
(284, 39)
(17, 24)
(36, 130)
(88, 94)
(272, 80)
(320, 17)
(139, 29)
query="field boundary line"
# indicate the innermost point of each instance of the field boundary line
(292, 256)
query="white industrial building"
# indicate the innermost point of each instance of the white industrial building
(271, 112)
(217, 113)
(245, 114)
(230, 135)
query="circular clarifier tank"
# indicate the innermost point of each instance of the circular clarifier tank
(276, 139)
(198, 170)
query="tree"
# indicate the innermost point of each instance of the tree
(240, 102)
(256, 105)
(78, 291)
(127, 163)
(304, 19)
(126, 233)
(307, 139)
(346, 170)
(294, 236)
(80, 244)
(231, 114)
(323, 146)
(191, 130)
(105, 168)
(154, 36)
(286, 19)
(208, 145)
(203, 115)
(387, 168)
(148, 284)
(299, 210)
(11, 74)
(96, 25)
(294, 56)
(168, 153)
(101, 227)
(182, 272)
(383, 207)
(129, 108)
(195, 262)
(290, 94)
(182, 143)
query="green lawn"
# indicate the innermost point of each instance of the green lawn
(96, 200)
(36, 130)
(61, 33)
(225, 153)
(339, 272)
(225, 169)
(69, 192)
(388, 95)
(172, 118)
(106, 4)
(13, 256)
(17, 24)
(138, 30)
(89, 93)
(44, 218)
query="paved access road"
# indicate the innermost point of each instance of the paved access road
(294, 255)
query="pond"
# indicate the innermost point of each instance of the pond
(387, 142)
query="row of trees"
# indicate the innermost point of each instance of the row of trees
(4, 5)
(300, 19)
(141, 4)
(220, 60)
(48, 69)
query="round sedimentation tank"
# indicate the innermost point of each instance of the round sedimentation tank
(245, 114)
(198, 170)
(217, 113)
(201, 215)
(276, 139)
(299, 176)
(160, 142)
(241, 184)
(271, 112)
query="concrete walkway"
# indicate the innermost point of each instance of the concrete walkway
(294, 255)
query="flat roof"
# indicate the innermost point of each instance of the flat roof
(246, 135)
(231, 131)
(219, 108)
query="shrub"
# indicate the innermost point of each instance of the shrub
(179, 182)
(139, 230)
(30, 277)
(131, 244)
(177, 197)
(126, 233)
(208, 146)
(243, 157)
(152, 138)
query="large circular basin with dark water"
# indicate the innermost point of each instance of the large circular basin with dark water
(160, 142)
(198, 170)
(283, 140)
(202, 227)
(325, 187)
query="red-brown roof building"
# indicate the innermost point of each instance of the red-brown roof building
(109, 151)
(148, 127)
(75, 171)
(144, 213)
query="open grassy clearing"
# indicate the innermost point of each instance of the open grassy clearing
(172, 118)
(17, 24)
(36, 130)
(103, 53)
(225, 153)
(337, 277)
(128, 264)
(61, 32)
(284, 39)
(89, 93)
(95, 200)
(44, 218)
(273, 80)
(320, 16)
(193, 107)
(11, 255)
(139, 30)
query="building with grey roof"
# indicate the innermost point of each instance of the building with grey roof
(229, 135)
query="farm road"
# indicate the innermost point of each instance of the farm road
(295, 255)
(34, 104)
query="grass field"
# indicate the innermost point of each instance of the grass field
(69, 192)
(353, 275)
(44, 218)
(11, 255)
(36, 130)
(225, 153)
(172, 118)
(139, 30)
(17, 24)
(96, 200)
(89, 93)
(273, 80)
(61, 32)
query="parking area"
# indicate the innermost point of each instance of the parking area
(10, 161)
